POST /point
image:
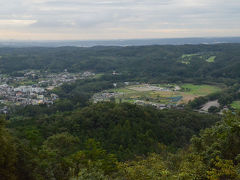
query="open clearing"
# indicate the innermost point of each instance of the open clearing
(191, 91)
(157, 93)
(236, 104)
(209, 104)
(188, 58)
(211, 59)
(199, 90)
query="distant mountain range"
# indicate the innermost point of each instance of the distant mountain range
(127, 42)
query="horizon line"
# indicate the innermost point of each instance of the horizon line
(120, 39)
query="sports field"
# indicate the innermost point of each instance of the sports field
(199, 90)
(157, 93)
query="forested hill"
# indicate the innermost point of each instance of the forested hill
(119, 141)
(95, 138)
(134, 62)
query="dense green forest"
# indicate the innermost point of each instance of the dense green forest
(120, 141)
(143, 63)
(47, 146)
(76, 139)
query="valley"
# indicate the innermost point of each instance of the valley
(161, 96)
(124, 113)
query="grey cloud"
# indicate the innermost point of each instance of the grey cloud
(97, 16)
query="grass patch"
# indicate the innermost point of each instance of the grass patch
(185, 62)
(199, 90)
(98, 76)
(187, 58)
(211, 59)
(236, 104)
(188, 55)
(122, 90)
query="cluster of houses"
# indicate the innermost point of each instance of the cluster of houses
(39, 92)
(98, 97)
(153, 88)
(156, 105)
(54, 80)
(25, 95)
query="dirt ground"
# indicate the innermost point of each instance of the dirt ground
(209, 104)
(186, 98)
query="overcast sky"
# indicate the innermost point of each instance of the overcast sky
(117, 19)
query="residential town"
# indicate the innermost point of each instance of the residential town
(34, 87)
